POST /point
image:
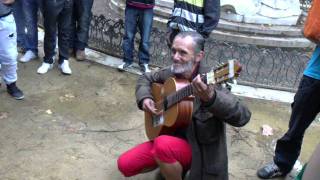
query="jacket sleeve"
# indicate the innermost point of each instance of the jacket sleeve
(228, 108)
(144, 83)
(211, 17)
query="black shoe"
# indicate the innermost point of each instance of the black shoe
(269, 171)
(14, 91)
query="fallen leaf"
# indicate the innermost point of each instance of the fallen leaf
(3, 115)
(267, 130)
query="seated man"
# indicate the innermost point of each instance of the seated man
(202, 146)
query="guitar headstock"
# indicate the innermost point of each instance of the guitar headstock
(224, 72)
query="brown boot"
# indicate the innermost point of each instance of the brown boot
(80, 55)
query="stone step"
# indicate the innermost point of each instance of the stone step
(266, 41)
(261, 35)
(261, 29)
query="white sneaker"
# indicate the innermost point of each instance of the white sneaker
(65, 68)
(44, 68)
(28, 56)
(124, 66)
(145, 68)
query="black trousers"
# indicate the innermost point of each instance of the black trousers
(81, 23)
(305, 107)
(57, 13)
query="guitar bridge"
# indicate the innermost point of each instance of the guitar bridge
(157, 120)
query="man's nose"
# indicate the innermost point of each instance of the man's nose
(176, 56)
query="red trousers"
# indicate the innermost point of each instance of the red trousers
(167, 149)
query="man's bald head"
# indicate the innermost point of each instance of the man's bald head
(198, 40)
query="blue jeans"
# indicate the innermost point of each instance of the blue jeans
(30, 11)
(20, 23)
(142, 19)
(305, 107)
(57, 12)
(81, 22)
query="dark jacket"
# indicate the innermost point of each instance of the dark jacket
(4, 10)
(207, 133)
(143, 4)
(195, 15)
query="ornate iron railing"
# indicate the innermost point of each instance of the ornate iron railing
(305, 4)
(262, 67)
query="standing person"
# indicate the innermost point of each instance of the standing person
(202, 146)
(201, 16)
(138, 14)
(81, 23)
(8, 49)
(305, 107)
(30, 12)
(20, 25)
(56, 12)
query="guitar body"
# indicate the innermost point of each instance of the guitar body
(175, 99)
(178, 115)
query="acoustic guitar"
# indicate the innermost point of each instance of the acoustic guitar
(174, 98)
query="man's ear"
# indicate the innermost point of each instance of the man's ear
(199, 56)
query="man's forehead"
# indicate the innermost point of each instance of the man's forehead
(186, 41)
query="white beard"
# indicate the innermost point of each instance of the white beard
(182, 69)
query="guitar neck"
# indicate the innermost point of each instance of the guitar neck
(177, 96)
(219, 75)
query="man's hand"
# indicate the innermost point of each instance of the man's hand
(148, 105)
(7, 2)
(201, 90)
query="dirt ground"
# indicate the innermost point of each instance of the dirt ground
(74, 127)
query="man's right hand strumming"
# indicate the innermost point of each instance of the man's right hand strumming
(148, 105)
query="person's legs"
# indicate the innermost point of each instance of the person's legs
(51, 10)
(20, 24)
(64, 30)
(137, 160)
(83, 23)
(130, 26)
(305, 107)
(50, 15)
(8, 55)
(173, 155)
(30, 10)
(64, 36)
(145, 27)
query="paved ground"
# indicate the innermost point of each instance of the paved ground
(75, 127)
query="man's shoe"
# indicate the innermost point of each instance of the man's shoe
(145, 68)
(28, 56)
(269, 171)
(80, 55)
(14, 91)
(124, 66)
(44, 68)
(65, 68)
